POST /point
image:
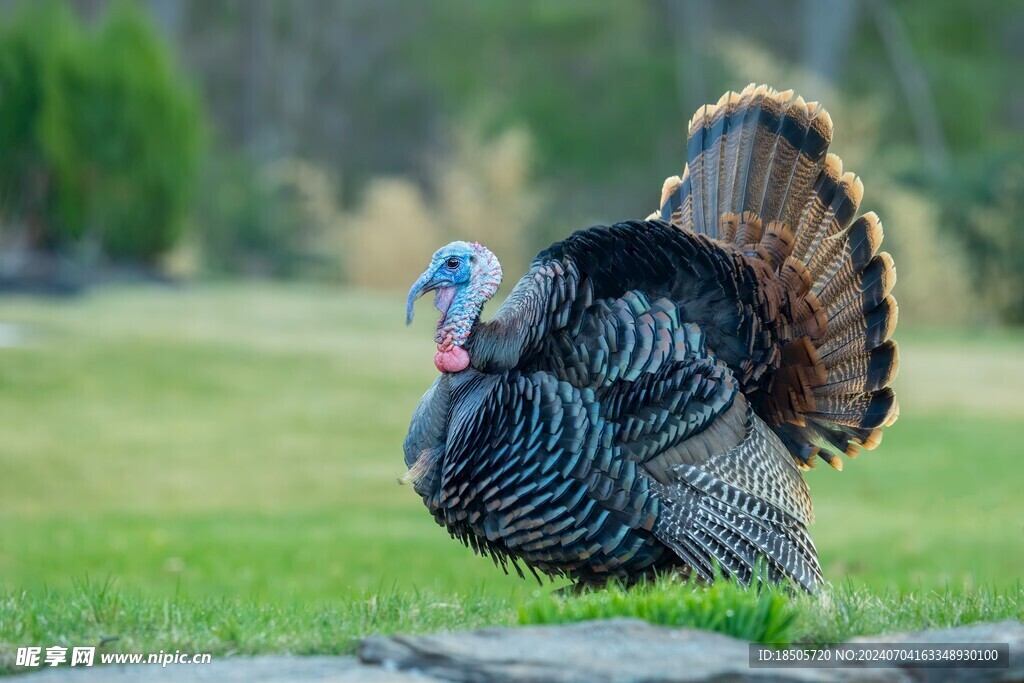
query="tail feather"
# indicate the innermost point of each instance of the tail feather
(736, 135)
(744, 151)
(863, 241)
(864, 410)
(875, 370)
(714, 150)
(808, 164)
(766, 138)
(868, 286)
(792, 132)
(828, 238)
(877, 327)
(760, 151)
(822, 193)
(855, 314)
(759, 179)
(696, 149)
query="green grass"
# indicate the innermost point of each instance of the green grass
(101, 614)
(765, 616)
(236, 449)
(776, 615)
(119, 621)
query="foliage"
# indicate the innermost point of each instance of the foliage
(31, 41)
(983, 205)
(925, 97)
(597, 84)
(967, 58)
(482, 191)
(534, 51)
(122, 131)
(278, 220)
(969, 55)
(111, 133)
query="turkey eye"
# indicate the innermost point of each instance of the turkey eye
(452, 263)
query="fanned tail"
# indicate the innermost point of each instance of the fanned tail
(759, 179)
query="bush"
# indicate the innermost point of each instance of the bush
(29, 44)
(104, 126)
(276, 220)
(122, 131)
(984, 203)
(482, 191)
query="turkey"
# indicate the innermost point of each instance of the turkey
(645, 399)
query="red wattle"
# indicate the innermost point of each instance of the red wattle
(452, 359)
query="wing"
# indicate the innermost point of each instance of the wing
(709, 522)
(528, 474)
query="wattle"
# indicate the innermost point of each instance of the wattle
(452, 359)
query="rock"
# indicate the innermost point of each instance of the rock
(1011, 632)
(612, 651)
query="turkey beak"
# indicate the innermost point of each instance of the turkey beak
(426, 283)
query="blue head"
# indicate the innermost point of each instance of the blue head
(463, 276)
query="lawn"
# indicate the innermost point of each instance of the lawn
(233, 450)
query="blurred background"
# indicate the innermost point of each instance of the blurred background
(215, 208)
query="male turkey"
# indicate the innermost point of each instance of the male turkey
(647, 395)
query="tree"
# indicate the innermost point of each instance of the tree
(30, 42)
(122, 131)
